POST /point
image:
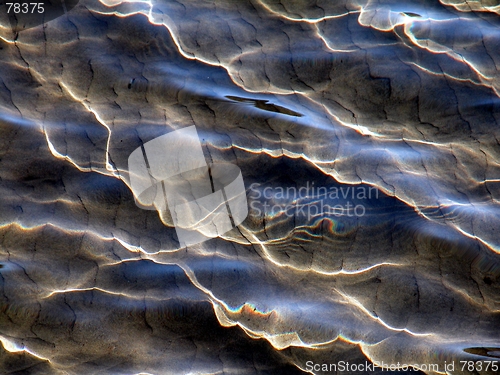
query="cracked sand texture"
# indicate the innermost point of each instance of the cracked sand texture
(399, 97)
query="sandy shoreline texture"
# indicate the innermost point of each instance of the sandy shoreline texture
(390, 107)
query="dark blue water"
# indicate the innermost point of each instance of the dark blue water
(367, 136)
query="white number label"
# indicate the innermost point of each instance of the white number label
(25, 8)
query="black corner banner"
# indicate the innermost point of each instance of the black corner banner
(26, 14)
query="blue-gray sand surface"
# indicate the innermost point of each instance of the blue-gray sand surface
(367, 133)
